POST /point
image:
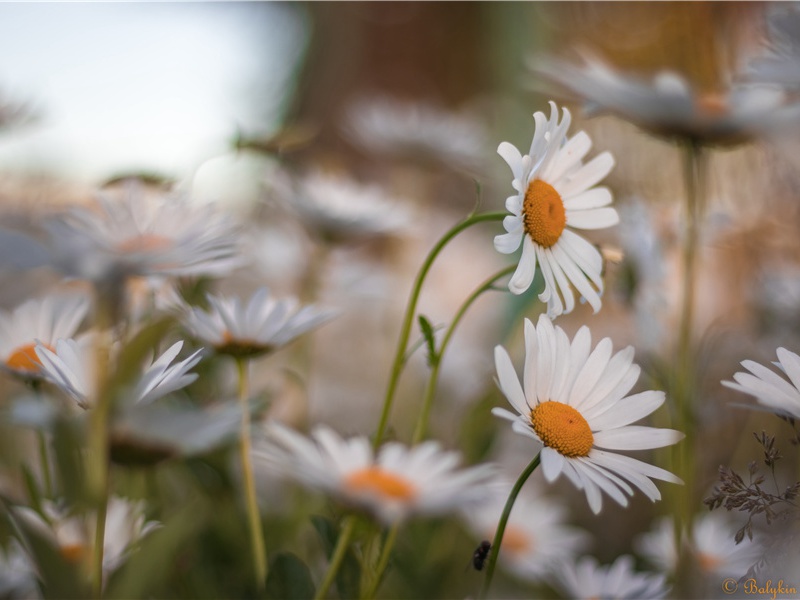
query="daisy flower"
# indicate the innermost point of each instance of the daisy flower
(555, 193)
(535, 537)
(712, 544)
(73, 534)
(263, 325)
(574, 405)
(147, 235)
(394, 484)
(779, 64)
(38, 321)
(17, 573)
(71, 368)
(586, 579)
(771, 390)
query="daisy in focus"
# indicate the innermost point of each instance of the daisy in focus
(574, 405)
(586, 579)
(713, 547)
(772, 391)
(38, 321)
(393, 485)
(555, 193)
(261, 326)
(535, 537)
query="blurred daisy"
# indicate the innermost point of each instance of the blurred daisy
(781, 62)
(41, 321)
(71, 367)
(555, 190)
(73, 534)
(771, 390)
(17, 573)
(535, 537)
(574, 405)
(669, 106)
(339, 209)
(263, 325)
(417, 132)
(712, 545)
(141, 234)
(586, 579)
(394, 484)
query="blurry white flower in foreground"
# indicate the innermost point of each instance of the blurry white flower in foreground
(574, 404)
(17, 573)
(73, 534)
(416, 131)
(395, 484)
(586, 579)
(771, 390)
(535, 537)
(38, 321)
(263, 325)
(140, 234)
(339, 209)
(555, 190)
(668, 106)
(71, 367)
(713, 547)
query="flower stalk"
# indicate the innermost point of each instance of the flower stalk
(339, 551)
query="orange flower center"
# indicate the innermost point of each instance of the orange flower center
(24, 358)
(516, 541)
(543, 213)
(708, 562)
(73, 553)
(562, 428)
(712, 104)
(146, 242)
(381, 483)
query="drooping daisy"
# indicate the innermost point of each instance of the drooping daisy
(42, 320)
(712, 545)
(770, 389)
(587, 579)
(555, 193)
(73, 534)
(574, 404)
(393, 485)
(263, 325)
(146, 235)
(71, 367)
(535, 537)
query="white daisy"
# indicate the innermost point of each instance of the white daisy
(17, 573)
(713, 547)
(574, 404)
(586, 579)
(535, 537)
(263, 325)
(44, 321)
(555, 193)
(71, 367)
(147, 235)
(73, 534)
(770, 389)
(779, 64)
(393, 485)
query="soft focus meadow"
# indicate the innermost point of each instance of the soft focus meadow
(400, 300)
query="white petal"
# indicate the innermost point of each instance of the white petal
(530, 374)
(523, 276)
(791, 364)
(626, 411)
(507, 243)
(545, 362)
(635, 437)
(594, 218)
(593, 198)
(552, 463)
(577, 277)
(591, 372)
(509, 383)
(569, 156)
(588, 175)
(512, 156)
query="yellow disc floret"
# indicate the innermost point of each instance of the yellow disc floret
(24, 358)
(562, 428)
(377, 481)
(543, 213)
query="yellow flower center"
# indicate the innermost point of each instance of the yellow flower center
(24, 358)
(241, 347)
(146, 242)
(707, 562)
(516, 541)
(382, 483)
(562, 428)
(73, 553)
(543, 213)
(712, 104)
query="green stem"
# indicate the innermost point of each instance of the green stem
(346, 534)
(501, 525)
(430, 388)
(44, 457)
(383, 561)
(253, 515)
(411, 308)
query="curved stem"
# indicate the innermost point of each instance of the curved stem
(501, 525)
(253, 515)
(337, 557)
(430, 388)
(383, 561)
(411, 308)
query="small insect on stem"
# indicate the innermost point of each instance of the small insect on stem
(481, 554)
